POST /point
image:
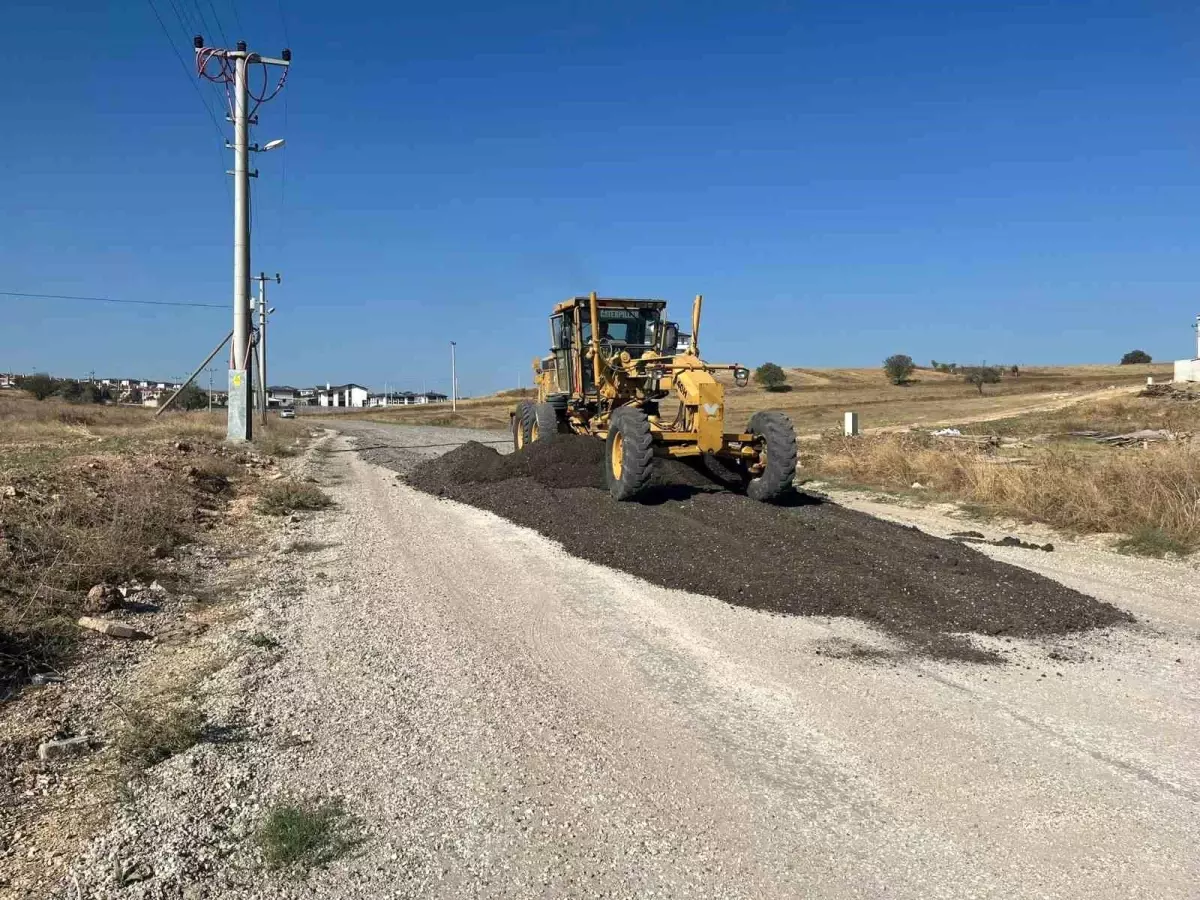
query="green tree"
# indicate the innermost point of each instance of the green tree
(981, 375)
(191, 397)
(1134, 357)
(770, 376)
(899, 367)
(70, 390)
(40, 385)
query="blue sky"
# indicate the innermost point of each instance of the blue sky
(1009, 182)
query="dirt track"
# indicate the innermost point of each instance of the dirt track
(574, 731)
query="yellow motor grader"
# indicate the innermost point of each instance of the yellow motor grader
(612, 363)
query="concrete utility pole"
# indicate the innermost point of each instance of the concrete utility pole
(453, 380)
(241, 378)
(263, 312)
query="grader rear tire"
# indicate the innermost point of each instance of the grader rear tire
(629, 453)
(545, 422)
(522, 423)
(778, 441)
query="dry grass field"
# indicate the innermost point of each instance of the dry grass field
(817, 398)
(97, 495)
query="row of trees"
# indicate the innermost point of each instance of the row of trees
(43, 386)
(900, 366)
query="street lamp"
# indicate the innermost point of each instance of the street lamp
(453, 379)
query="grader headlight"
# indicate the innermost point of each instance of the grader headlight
(741, 376)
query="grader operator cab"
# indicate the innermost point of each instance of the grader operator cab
(613, 364)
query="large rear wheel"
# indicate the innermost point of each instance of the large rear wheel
(629, 456)
(522, 423)
(776, 443)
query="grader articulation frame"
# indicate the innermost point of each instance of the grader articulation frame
(613, 361)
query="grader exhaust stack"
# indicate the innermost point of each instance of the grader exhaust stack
(612, 364)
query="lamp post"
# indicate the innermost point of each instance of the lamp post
(453, 380)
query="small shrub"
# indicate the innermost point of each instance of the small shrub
(191, 397)
(265, 641)
(1152, 541)
(981, 375)
(150, 736)
(275, 445)
(282, 497)
(306, 834)
(770, 376)
(1135, 357)
(40, 385)
(899, 368)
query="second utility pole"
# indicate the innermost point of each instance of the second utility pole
(262, 280)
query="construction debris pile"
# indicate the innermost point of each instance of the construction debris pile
(804, 556)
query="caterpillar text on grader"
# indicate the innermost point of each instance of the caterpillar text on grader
(611, 362)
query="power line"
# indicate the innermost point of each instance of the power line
(186, 71)
(111, 300)
(283, 20)
(220, 27)
(236, 16)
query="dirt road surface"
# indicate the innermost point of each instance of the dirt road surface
(590, 733)
(507, 720)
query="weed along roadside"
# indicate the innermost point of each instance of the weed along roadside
(126, 547)
(1052, 468)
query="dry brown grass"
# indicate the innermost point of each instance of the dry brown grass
(59, 536)
(282, 497)
(816, 398)
(92, 494)
(1078, 489)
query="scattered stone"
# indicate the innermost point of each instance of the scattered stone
(112, 629)
(10, 491)
(183, 447)
(42, 678)
(974, 537)
(917, 486)
(134, 871)
(75, 746)
(156, 587)
(102, 598)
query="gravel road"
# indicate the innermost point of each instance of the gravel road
(507, 720)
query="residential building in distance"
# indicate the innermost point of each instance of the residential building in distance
(405, 398)
(343, 395)
(281, 396)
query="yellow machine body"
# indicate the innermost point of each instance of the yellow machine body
(590, 374)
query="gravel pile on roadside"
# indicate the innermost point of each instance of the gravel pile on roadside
(801, 557)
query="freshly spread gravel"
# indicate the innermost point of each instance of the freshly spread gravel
(803, 556)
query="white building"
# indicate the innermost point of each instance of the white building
(1189, 369)
(343, 395)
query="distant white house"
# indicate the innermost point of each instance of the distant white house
(343, 395)
(8, 381)
(405, 398)
(281, 396)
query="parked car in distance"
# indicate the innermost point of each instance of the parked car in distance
(287, 413)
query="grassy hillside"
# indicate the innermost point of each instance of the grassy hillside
(817, 398)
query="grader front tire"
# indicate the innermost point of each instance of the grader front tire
(777, 439)
(629, 453)
(522, 423)
(545, 422)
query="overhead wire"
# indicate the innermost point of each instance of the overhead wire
(186, 70)
(24, 294)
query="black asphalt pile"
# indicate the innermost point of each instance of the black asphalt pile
(800, 557)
